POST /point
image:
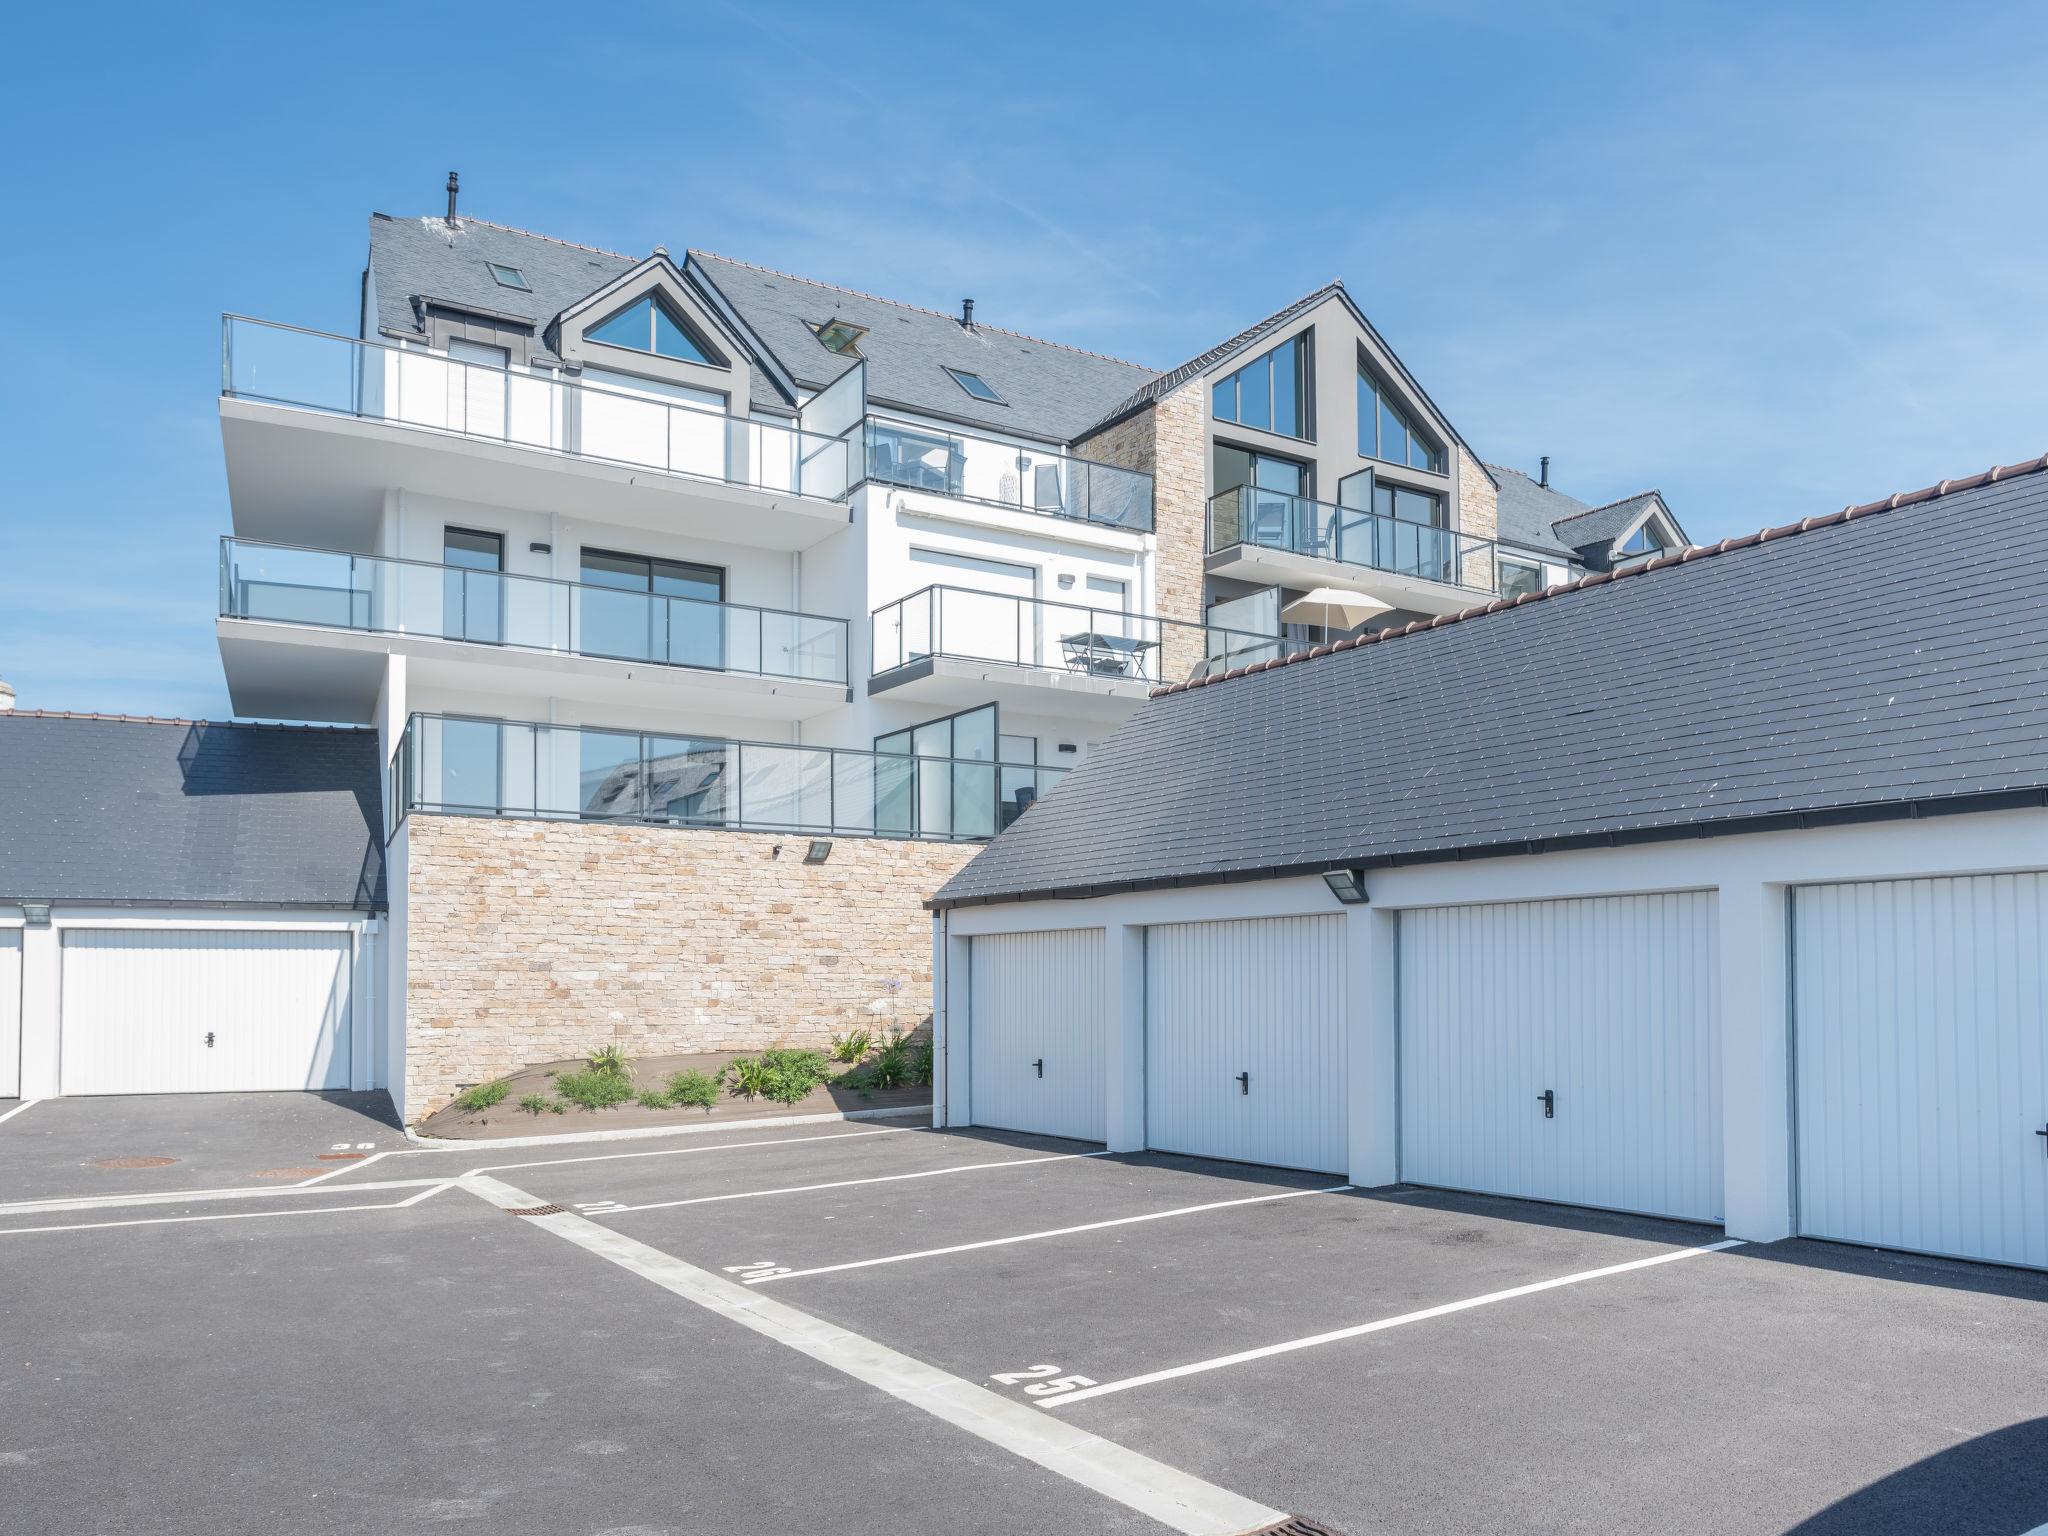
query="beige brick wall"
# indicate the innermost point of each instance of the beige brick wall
(1478, 515)
(1168, 440)
(531, 941)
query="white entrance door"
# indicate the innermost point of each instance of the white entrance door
(1035, 1052)
(1920, 1015)
(10, 1013)
(204, 1010)
(1244, 1041)
(1565, 1050)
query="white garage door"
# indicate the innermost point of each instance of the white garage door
(1920, 1012)
(204, 1011)
(1244, 1041)
(1608, 1006)
(1035, 1053)
(10, 1013)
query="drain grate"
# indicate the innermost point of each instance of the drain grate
(536, 1210)
(135, 1162)
(1297, 1525)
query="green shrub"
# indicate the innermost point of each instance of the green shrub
(535, 1103)
(921, 1065)
(745, 1075)
(890, 1067)
(692, 1088)
(852, 1045)
(781, 1074)
(557, 1107)
(482, 1096)
(654, 1098)
(594, 1089)
(609, 1061)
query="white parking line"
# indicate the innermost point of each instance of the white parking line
(1165, 1494)
(1269, 1350)
(722, 1146)
(24, 1104)
(165, 1221)
(887, 1178)
(1032, 1237)
(196, 1196)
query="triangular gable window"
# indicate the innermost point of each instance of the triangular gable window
(1644, 541)
(647, 326)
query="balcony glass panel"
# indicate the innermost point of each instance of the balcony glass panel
(1005, 475)
(1403, 538)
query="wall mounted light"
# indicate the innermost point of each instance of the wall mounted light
(1066, 581)
(819, 851)
(36, 913)
(538, 548)
(1347, 885)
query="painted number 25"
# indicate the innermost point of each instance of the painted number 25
(760, 1269)
(1043, 1381)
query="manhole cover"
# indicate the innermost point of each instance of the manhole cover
(341, 1157)
(1297, 1527)
(536, 1210)
(135, 1162)
(287, 1173)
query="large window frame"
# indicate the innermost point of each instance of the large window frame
(1255, 394)
(1388, 412)
(695, 348)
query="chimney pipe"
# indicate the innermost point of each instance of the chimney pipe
(1543, 479)
(967, 313)
(454, 185)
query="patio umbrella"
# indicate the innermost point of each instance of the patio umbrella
(1334, 608)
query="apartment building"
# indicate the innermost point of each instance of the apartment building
(710, 617)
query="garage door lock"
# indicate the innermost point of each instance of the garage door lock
(1548, 1099)
(1038, 1066)
(1244, 1082)
(209, 1039)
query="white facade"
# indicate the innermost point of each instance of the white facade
(1715, 1042)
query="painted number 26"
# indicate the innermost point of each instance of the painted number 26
(1043, 1381)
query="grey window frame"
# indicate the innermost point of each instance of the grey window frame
(498, 269)
(960, 376)
(1384, 400)
(1305, 389)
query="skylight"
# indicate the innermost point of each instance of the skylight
(509, 277)
(975, 385)
(841, 336)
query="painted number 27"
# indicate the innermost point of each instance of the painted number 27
(1043, 1381)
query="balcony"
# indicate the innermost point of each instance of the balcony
(997, 474)
(303, 634)
(318, 426)
(952, 645)
(450, 766)
(1275, 538)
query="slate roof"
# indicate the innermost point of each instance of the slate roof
(1166, 383)
(1051, 392)
(106, 809)
(1592, 531)
(1527, 511)
(1886, 660)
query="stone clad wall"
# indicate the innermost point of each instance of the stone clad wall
(1478, 515)
(533, 941)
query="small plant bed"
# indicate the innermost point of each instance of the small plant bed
(609, 1091)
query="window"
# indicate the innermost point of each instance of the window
(482, 353)
(648, 326)
(1276, 393)
(509, 277)
(1385, 432)
(1643, 541)
(841, 336)
(975, 385)
(472, 586)
(941, 799)
(1519, 577)
(636, 613)
(1230, 467)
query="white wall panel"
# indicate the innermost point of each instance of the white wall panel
(1608, 1002)
(1038, 998)
(1263, 997)
(138, 1005)
(1920, 1016)
(10, 1012)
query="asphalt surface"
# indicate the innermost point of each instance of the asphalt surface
(319, 1368)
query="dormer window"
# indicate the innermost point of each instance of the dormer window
(975, 385)
(1644, 541)
(840, 336)
(508, 277)
(648, 326)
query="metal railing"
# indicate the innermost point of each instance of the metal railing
(381, 595)
(1352, 535)
(970, 468)
(1062, 637)
(450, 765)
(409, 386)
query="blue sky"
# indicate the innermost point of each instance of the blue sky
(1768, 258)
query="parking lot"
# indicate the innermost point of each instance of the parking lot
(880, 1327)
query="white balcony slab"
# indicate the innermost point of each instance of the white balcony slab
(955, 681)
(310, 672)
(311, 477)
(1280, 567)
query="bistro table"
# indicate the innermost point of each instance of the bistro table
(1103, 655)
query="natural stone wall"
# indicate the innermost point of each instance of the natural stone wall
(1168, 441)
(1478, 515)
(530, 941)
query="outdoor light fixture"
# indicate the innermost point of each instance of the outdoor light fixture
(538, 548)
(1347, 885)
(36, 914)
(819, 851)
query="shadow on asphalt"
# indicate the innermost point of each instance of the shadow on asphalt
(1993, 1485)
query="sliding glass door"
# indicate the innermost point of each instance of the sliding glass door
(643, 609)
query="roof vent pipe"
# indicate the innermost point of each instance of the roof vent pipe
(1543, 475)
(967, 313)
(454, 185)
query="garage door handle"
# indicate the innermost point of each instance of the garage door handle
(209, 1039)
(1548, 1099)
(2043, 1132)
(1038, 1066)
(1244, 1082)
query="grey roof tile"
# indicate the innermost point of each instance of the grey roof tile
(1592, 531)
(1860, 664)
(105, 809)
(1527, 511)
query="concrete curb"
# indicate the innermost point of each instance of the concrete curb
(645, 1132)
